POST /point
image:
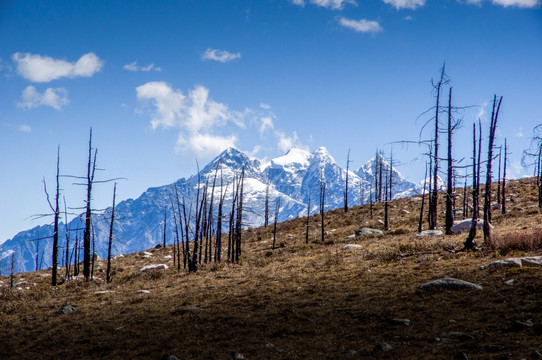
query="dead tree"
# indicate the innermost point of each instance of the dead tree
(434, 194)
(218, 240)
(165, 223)
(469, 244)
(277, 208)
(487, 199)
(91, 168)
(67, 229)
(238, 223)
(499, 177)
(266, 206)
(56, 212)
(346, 184)
(449, 188)
(110, 243)
(503, 190)
(386, 224)
(322, 203)
(308, 220)
(423, 200)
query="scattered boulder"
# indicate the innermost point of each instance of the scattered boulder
(369, 231)
(405, 212)
(533, 261)
(519, 325)
(350, 236)
(449, 284)
(146, 253)
(396, 321)
(430, 233)
(510, 282)
(154, 267)
(103, 292)
(465, 225)
(383, 346)
(192, 309)
(351, 247)
(167, 257)
(237, 356)
(66, 309)
(143, 292)
(44, 275)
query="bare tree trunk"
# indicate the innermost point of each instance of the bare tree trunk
(503, 201)
(469, 242)
(322, 203)
(499, 178)
(165, 223)
(423, 200)
(238, 226)
(434, 195)
(308, 220)
(266, 209)
(487, 202)
(91, 167)
(449, 192)
(277, 208)
(386, 225)
(346, 185)
(108, 273)
(67, 229)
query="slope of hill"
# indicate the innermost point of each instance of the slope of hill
(300, 301)
(292, 179)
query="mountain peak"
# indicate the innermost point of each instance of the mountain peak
(294, 156)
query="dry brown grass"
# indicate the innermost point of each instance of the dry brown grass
(299, 301)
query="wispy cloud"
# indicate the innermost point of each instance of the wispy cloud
(518, 3)
(363, 25)
(134, 67)
(508, 3)
(53, 97)
(196, 115)
(329, 4)
(219, 55)
(266, 124)
(25, 128)
(519, 132)
(286, 142)
(38, 68)
(405, 4)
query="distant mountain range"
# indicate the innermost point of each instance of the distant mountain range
(292, 179)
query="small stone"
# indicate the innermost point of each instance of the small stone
(352, 352)
(146, 253)
(369, 231)
(44, 275)
(521, 325)
(494, 348)
(405, 212)
(510, 282)
(350, 236)
(143, 292)
(270, 346)
(192, 309)
(66, 309)
(154, 267)
(450, 284)
(430, 233)
(396, 321)
(237, 356)
(102, 292)
(167, 257)
(146, 256)
(383, 346)
(352, 247)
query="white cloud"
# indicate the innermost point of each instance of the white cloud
(333, 4)
(405, 4)
(519, 132)
(362, 25)
(196, 116)
(266, 124)
(25, 128)
(265, 106)
(55, 98)
(134, 67)
(298, 2)
(285, 142)
(408, 18)
(219, 55)
(482, 112)
(37, 68)
(517, 3)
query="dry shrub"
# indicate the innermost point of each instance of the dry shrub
(516, 240)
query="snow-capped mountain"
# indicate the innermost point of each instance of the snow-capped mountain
(291, 180)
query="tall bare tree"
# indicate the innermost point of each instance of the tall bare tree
(346, 183)
(503, 189)
(91, 168)
(110, 243)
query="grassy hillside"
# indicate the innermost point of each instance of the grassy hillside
(299, 301)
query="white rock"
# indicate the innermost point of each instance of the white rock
(154, 267)
(167, 257)
(146, 256)
(510, 282)
(143, 292)
(350, 236)
(464, 225)
(449, 283)
(534, 261)
(430, 233)
(147, 253)
(351, 247)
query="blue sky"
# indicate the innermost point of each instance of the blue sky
(163, 83)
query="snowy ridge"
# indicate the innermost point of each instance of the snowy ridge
(292, 179)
